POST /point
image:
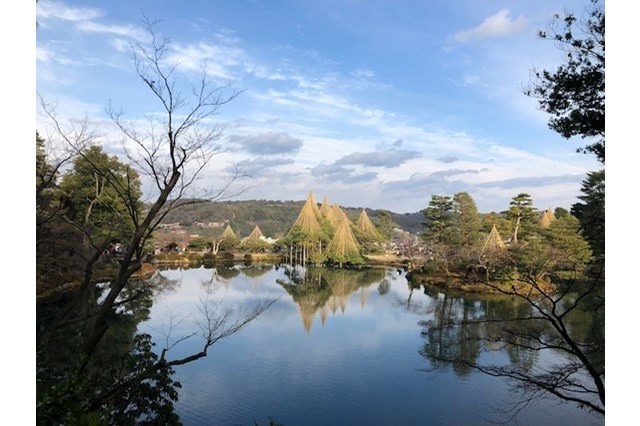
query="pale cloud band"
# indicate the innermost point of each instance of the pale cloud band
(310, 124)
(497, 25)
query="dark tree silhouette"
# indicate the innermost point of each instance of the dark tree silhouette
(574, 94)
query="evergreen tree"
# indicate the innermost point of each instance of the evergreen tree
(565, 237)
(228, 241)
(590, 212)
(466, 221)
(438, 219)
(560, 212)
(523, 215)
(502, 224)
(46, 184)
(574, 93)
(385, 224)
(99, 192)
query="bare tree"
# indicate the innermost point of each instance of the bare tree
(216, 323)
(172, 150)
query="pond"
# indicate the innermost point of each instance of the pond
(337, 347)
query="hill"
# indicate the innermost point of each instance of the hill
(273, 217)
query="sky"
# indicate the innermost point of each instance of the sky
(371, 103)
(378, 104)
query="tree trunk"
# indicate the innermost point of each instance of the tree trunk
(515, 231)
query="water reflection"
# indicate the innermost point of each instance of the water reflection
(327, 290)
(510, 339)
(386, 332)
(118, 383)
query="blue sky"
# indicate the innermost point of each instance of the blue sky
(329, 83)
(378, 104)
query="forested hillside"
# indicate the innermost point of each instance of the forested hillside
(273, 217)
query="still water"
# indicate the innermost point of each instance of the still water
(336, 348)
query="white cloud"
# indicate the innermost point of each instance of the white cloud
(386, 159)
(470, 79)
(67, 109)
(363, 73)
(302, 94)
(496, 25)
(261, 71)
(121, 30)
(120, 45)
(267, 143)
(43, 55)
(58, 10)
(219, 58)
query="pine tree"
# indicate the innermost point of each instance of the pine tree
(466, 221)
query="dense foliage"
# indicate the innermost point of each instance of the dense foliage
(522, 214)
(101, 193)
(574, 97)
(590, 211)
(466, 220)
(457, 240)
(547, 267)
(574, 93)
(80, 212)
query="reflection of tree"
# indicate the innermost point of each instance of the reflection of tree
(227, 273)
(221, 275)
(97, 393)
(256, 271)
(460, 331)
(366, 277)
(308, 289)
(324, 290)
(384, 286)
(224, 275)
(160, 283)
(445, 342)
(125, 381)
(365, 293)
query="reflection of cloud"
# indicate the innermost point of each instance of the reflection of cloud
(268, 143)
(496, 25)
